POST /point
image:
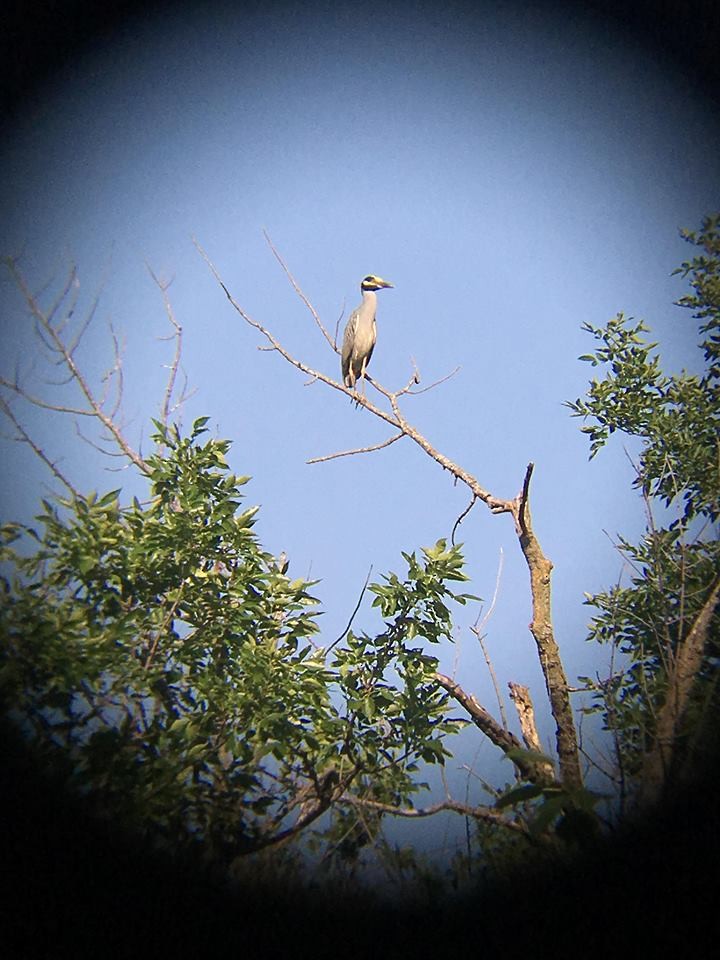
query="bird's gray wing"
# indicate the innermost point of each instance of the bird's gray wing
(348, 341)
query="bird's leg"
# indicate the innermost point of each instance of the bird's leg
(362, 374)
(351, 382)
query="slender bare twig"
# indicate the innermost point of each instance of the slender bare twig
(115, 373)
(25, 437)
(176, 335)
(462, 516)
(43, 404)
(337, 327)
(481, 624)
(431, 386)
(90, 316)
(97, 446)
(298, 291)
(478, 627)
(70, 283)
(350, 453)
(353, 614)
(493, 678)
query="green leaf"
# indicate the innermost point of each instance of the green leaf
(522, 794)
(529, 756)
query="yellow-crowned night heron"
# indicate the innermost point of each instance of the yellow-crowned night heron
(360, 333)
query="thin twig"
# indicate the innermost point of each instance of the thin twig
(299, 292)
(493, 677)
(43, 404)
(337, 328)
(462, 516)
(353, 614)
(58, 345)
(478, 627)
(431, 386)
(350, 453)
(176, 335)
(39, 452)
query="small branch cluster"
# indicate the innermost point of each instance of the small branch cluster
(62, 339)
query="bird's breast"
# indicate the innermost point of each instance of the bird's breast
(365, 336)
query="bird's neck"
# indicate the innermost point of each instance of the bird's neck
(369, 296)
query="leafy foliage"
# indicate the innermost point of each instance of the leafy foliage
(674, 567)
(168, 662)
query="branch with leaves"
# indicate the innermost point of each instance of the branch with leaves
(662, 625)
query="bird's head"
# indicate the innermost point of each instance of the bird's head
(371, 282)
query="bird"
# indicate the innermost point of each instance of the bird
(360, 333)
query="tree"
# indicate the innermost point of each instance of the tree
(175, 671)
(169, 665)
(664, 622)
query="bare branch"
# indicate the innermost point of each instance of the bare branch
(520, 696)
(350, 453)
(176, 335)
(523, 498)
(298, 364)
(477, 629)
(327, 792)
(39, 402)
(114, 374)
(541, 627)
(431, 386)
(353, 614)
(72, 281)
(462, 516)
(298, 291)
(481, 624)
(396, 419)
(487, 814)
(25, 437)
(337, 327)
(75, 342)
(497, 734)
(96, 445)
(51, 335)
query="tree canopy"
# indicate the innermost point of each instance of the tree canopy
(172, 670)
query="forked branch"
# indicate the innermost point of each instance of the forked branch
(50, 331)
(61, 335)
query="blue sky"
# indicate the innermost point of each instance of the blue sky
(514, 173)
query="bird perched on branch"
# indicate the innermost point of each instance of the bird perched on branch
(360, 333)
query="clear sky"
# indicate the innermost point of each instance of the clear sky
(514, 172)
